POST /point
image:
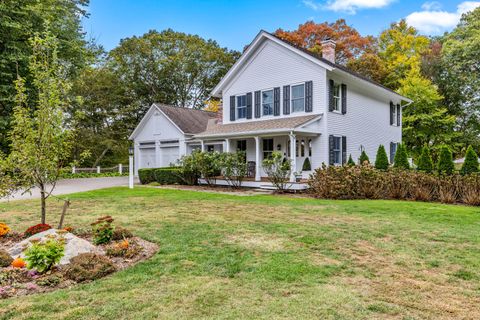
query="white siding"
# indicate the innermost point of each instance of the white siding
(275, 66)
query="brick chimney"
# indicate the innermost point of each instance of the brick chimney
(220, 114)
(328, 49)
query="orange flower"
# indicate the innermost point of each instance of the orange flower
(19, 263)
(124, 244)
(4, 229)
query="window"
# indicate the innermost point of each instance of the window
(242, 145)
(210, 148)
(289, 146)
(309, 147)
(298, 98)
(393, 151)
(395, 111)
(267, 102)
(337, 150)
(242, 107)
(302, 148)
(267, 148)
(337, 100)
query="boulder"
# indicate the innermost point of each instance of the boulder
(73, 245)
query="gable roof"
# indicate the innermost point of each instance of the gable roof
(187, 120)
(330, 66)
(252, 127)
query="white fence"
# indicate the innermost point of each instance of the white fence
(121, 169)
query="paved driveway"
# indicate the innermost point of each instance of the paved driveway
(75, 185)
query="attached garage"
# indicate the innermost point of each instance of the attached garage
(147, 157)
(169, 154)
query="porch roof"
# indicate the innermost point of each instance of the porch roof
(214, 129)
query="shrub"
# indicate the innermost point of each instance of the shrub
(88, 267)
(4, 229)
(188, 168)
(234, 167)
(37, 229)
(401, 158)
(121, 233)
(306, 165)
(445, 163)
(19, 263)
(102, 230)
(42, 256)
(50, 281)
(146, 175)
(470, 165)
(170, 175)
(350, 161)
(209, 166)
(363, 158)
(123, 249)
(5, 258)
(470, 193)
(381, 161)
(425, 162)
(278, 170)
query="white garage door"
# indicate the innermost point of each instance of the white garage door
(147, 158)
(169, 155)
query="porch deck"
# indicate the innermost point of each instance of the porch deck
(264, 183)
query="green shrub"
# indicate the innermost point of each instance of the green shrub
(277, 169)
(445, 163)
(42, 256)
(5, 259)
(50, 281)
(363, 158)
(146, 175)
(307, 166)
(102, 230)
(170, 175)
(425, 162)
(188, 168)
(350, 161)
(470, 165)
(234, 167)
(88, 267)
(401, 158)
(381, 161)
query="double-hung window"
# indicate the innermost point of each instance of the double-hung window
(394, 115)
(337, 150)
(337, 97)
(267, 102)
(242, 145)
(298, 98)
(267, 148)
(242, 106)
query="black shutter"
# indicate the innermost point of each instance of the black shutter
(232, 108)
(249, 105)
(344, 150)
(344, 98)
(331, 155)
(257, 104)
(392, 155)
(392, 111)
(399, 110)
(308, 96)
(276, 101)
(331, 86)
(286, 99)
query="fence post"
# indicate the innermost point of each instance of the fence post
(120, 168)
(73, 169)
(98, 169)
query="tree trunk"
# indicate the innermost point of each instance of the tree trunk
(66, 204)
(44, 205)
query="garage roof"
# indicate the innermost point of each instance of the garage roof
(188, 120)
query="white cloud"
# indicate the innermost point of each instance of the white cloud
(433, 20)
(348, 6)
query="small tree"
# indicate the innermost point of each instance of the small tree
(425, 162)
(401, 158)
(363, 158)
(209, 166)
(381, 161)
(350, 161)
(306, 165)
(445, 163)
(470, 165)
(40, 143)
(234, 167)
(278, 170)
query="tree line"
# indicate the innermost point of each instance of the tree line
(111, 91)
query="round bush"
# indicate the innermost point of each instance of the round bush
(88, 267)
(5, 258)
(121, 233)
(37, 229)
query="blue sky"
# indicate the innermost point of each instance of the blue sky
(234, 24)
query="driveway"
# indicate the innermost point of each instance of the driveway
(74, 185)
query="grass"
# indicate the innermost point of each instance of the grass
(269, 257)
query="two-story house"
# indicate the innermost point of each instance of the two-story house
(278, 97)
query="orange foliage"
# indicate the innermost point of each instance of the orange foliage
(18, 263)
(4, 229)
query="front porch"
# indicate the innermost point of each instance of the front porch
(264, 183)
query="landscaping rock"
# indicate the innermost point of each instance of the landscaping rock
(73, 245)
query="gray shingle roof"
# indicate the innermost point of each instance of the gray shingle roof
(188, 120)
(288, 123)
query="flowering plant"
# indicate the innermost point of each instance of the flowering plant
(4, 229)
(37, 229)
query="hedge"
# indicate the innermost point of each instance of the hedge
(167, 175)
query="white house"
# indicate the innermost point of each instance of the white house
(278, 97)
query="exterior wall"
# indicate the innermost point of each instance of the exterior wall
(275, 66)
(366, 123)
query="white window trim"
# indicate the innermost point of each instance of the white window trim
(236, 106)
(341, 147)
(263, 146)
(273, 102)
(339, 97)
(291, 96)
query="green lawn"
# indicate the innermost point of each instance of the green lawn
(270, 257)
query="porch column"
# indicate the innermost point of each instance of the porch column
(202, 143)
(227, 145)
(257, 159)
(293, 156)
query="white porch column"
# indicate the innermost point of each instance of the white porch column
(202, 143)
(293, 156)
(227, 145)
(257, 159)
